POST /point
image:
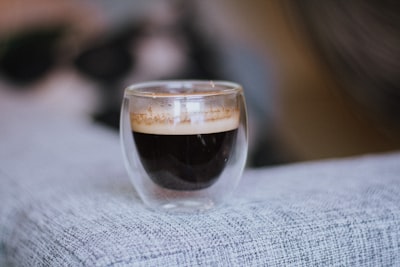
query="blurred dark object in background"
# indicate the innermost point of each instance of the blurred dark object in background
(138, 49)
(106, 61)
(29, 55)
(360, 42)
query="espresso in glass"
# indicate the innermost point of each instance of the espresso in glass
(191, 157)
(184, 142)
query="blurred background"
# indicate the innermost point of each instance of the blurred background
(321, 78)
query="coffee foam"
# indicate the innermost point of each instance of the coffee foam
(196, 123)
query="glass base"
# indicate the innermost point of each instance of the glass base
(184, 206)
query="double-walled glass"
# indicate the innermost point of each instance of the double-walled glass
(184, 142)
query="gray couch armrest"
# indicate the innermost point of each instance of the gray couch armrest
(66, 201)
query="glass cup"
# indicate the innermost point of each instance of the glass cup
(184, 142)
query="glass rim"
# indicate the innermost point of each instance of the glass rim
(182, 88)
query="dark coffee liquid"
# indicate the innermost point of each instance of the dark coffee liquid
(185, 162)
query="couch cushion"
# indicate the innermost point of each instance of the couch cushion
(66, 200)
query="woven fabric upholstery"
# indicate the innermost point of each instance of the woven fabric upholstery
(66, 201)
